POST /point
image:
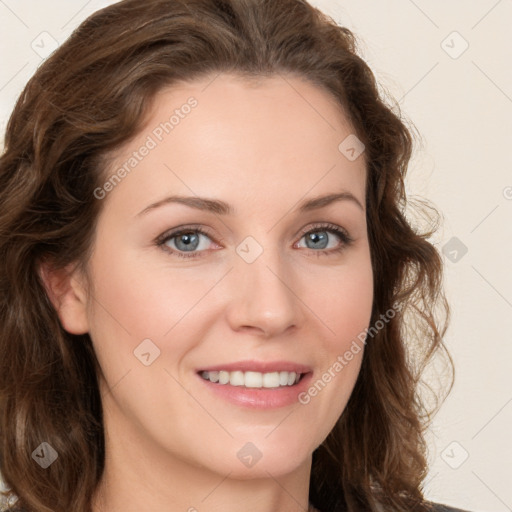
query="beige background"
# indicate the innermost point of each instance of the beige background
(460, 100)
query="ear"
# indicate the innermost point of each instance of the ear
(66, 291)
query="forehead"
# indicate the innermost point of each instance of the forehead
(234, 136)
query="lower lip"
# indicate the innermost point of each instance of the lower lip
(259, 398)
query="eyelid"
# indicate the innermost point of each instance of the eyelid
(340, 232)
(200, 228)
(326, 226)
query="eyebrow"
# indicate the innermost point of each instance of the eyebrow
(222, 208)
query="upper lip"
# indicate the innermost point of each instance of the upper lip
(259, 366)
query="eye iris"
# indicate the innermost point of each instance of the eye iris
(315, 238)
(190, 240)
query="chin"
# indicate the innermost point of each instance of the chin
(260, 457)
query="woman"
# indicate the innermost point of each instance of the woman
(207, 271)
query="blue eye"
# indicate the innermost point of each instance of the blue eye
(188, 240)
(185, 240)
(319, 236)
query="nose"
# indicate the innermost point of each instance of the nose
(264, 297)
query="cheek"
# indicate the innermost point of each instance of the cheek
(345, 309)
(350, 310)
(344, 303)
(145, 299)
(135, 301)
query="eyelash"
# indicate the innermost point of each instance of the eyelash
(346, 239)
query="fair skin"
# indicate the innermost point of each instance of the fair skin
(172, 443)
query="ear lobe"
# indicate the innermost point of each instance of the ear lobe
(66, 292)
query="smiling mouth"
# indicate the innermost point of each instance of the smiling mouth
(255, 380)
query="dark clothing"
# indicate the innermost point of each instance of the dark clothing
(438, 507)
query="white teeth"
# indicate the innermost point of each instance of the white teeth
(253, 379)
(271, 380)
(223, 377)
(236, 378)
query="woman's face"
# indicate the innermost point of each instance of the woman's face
(251, 288)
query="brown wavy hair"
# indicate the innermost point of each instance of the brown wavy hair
(88, 99)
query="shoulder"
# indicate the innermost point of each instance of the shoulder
(439, 507)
